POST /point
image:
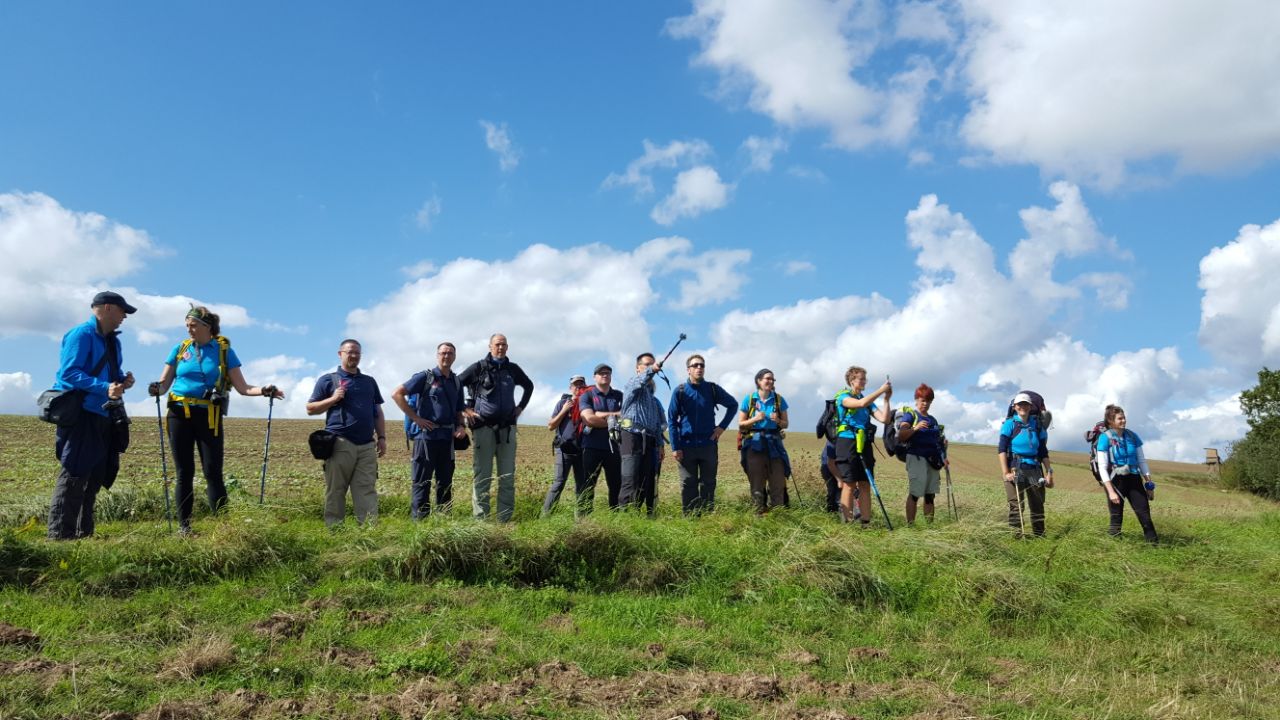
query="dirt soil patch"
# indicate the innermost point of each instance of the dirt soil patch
(284, 625)
(12, 635)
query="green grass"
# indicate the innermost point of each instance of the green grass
(268, 614)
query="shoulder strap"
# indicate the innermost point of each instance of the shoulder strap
(223, 380)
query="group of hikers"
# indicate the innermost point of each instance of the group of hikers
(597, 429)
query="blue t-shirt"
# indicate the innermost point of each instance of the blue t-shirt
(855, 419)
(439, 399)
(1026, 440)
(596, 401)
(355, 418)
(1124, 451)
(768, 407)
(197, 369)
(925, 442)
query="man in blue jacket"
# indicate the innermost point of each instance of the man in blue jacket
(90, 364)
(691, 415)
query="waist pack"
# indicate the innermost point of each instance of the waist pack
(60, 407)
(321, 443)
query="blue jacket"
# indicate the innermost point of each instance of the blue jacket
(82, 349)
(691, 413)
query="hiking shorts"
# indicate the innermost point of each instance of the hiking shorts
(852, 467)
(922, 479)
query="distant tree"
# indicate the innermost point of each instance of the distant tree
(1254, 464)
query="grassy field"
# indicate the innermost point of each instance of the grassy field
(267, 614)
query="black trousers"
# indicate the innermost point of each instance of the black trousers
(596, 462)
(186, 437)
(1131, 489)
(431, 458)
(639, 471)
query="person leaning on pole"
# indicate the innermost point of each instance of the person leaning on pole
(353, 412)
(641, 443)
(491, 413)
(90, 363)
(695, 434)
(565, 446)
(197, 376)
(438, 415)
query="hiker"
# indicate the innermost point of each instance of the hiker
(762, 417)
(641, 422)
(198, 376)
(600, 453)
(1125, 474)
(1024, 465)
(827, 468)
(491, 414)
(919, 433)
(437, 417)
(89, 448)
(855, 458)
(695, 433)
(565, 444)
(352, 406)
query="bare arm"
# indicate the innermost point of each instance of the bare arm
(242, 387)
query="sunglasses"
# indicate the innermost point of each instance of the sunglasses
(697, 365)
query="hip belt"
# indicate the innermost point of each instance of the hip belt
(214, 412)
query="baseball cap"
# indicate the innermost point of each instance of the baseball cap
(576, 378)
(1022, 398)
(603, 367)
(107, 297)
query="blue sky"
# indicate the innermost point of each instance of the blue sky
(803, 185)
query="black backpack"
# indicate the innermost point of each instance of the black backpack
(829, 421)
(891, 444)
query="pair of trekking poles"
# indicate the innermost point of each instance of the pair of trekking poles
(164, 460)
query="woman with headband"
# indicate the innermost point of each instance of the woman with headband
(198, 375)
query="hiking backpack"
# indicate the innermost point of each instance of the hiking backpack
(573, 444)
(1038, 410)
(891, 444)
(1091, 437)
(829, 422)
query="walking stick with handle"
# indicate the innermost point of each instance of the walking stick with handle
(946, 465)
(266, 449)
(164, 466)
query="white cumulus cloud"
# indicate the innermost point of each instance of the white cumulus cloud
(17, 394)
(697, 190)
(796, 62)
(1088, 89)
(1240, 308)
(639, 172)
(761, 151)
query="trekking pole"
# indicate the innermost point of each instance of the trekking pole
(876, 491)
(164, 466)
(1022, 524)
(951, 498)
(683, 337)
(262, 485)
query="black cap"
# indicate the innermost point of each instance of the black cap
(603, 366)
(107, 297)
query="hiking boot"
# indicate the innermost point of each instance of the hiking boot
(185, 531)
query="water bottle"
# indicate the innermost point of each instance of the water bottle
(1151, 489)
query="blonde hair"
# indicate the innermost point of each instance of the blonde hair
(853, 372)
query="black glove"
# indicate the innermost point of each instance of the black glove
(153, 389)
(270, 391)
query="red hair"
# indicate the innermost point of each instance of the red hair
(925, 392)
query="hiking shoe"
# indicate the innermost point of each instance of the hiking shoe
(185, 531)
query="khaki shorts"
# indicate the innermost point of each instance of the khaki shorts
(921, 478)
